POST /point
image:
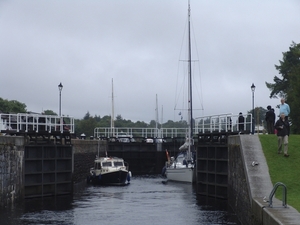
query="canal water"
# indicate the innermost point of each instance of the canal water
(146, 201)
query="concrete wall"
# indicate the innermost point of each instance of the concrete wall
(11, 169)
(85, 152)
(248, 185)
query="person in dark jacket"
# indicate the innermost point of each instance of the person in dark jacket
(241, 121)
(270, 119)
(282, 126)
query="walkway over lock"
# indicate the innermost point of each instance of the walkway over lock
(206, 124)
(34, 122)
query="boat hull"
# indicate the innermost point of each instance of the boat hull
(180, 174)
(118, 178)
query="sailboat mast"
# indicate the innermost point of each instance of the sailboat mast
(190, 108)
(112, 122)
(156, 119)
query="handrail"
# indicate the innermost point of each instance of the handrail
(26, 122)
(215, 123)
(284, 193)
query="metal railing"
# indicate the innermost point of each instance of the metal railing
(215, 123)
(120, 132)
(223, 122)
(27, 122)
(284, 194)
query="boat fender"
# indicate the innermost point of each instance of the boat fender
(128, 176)
(99, 176)
(163, 172)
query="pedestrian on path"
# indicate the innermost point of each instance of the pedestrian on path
(282, 126)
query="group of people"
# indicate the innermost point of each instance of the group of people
(281, 126)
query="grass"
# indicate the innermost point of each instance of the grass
(284, 169)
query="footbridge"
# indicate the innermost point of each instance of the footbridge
(38, 126)
(207, 124)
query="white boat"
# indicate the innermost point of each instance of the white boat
(182, 167)
(109, 171)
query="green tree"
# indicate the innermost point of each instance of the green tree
(289, 85)
(50, 112)
(87, 116)
(104, 122)
(11, 106)
(259, 116)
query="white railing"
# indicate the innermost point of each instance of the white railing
(108, 132)
(223, 122)
(26, 122)
(215, 123)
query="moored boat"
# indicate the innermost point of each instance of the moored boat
(109, 171)
(182, 167)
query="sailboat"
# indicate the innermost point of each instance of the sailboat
(182, 167)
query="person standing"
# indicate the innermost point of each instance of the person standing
(284, 108)
(282, 126)
(241, 121)
(270, 119)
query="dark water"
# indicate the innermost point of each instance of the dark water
(145, 201)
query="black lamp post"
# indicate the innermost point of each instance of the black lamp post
(60, 87)
(253, 120)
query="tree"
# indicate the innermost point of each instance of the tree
(87, 116)
(289, 85)
(259, 116)
(119, 118)
(50, 112)
(12, 106)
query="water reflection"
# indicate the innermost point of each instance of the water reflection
(145, 201)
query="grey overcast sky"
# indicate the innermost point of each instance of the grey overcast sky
(138, 43)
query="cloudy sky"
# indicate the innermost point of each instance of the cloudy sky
(140, 45)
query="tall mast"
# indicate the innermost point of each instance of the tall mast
(190, 108)
(112, 122)
(157, 119)
(162, 114)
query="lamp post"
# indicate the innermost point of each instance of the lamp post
(253, 120)
(60, 87)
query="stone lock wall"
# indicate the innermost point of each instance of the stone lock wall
(238, 192)
(85, 152)
(249, 183)
(11, 169)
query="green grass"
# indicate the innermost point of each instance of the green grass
(284, 169)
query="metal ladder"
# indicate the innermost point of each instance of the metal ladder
(284, 193)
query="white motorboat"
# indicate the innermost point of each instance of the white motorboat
(109, 171)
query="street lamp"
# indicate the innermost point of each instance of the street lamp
(253, 120)
(60, 87)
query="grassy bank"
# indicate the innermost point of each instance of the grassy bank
(284, 169)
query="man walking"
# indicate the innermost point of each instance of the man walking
(282, 126)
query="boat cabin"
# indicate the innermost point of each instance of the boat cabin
(108, 163)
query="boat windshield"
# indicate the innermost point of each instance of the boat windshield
(97, 165)
(118, 163)
(106, 164)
